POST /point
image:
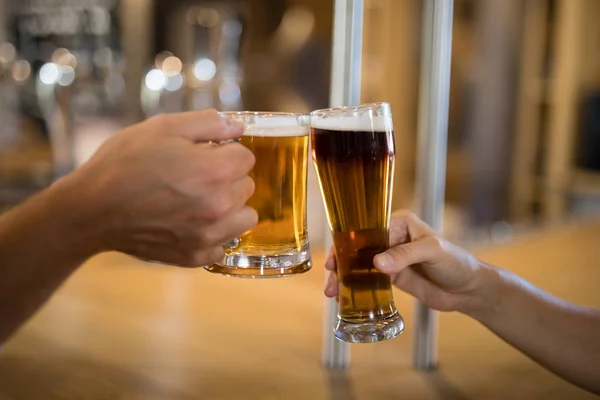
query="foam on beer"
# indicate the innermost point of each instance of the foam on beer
(358, 123)
(284, 126)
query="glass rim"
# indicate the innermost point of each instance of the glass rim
(261, 114)
(359, 107)
(261, 123)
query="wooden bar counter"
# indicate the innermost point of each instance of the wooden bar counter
(123, 329)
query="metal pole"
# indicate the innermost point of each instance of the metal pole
(432, 137)
(345, 90)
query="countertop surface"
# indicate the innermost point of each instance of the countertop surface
(124, 329)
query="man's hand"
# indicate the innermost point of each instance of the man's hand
(161, 191)
(442, 275)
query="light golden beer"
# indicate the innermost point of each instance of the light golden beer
(278, 245)
(280, 194)
(353, 154)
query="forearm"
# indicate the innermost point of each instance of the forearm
(41, 243)
(562, 337)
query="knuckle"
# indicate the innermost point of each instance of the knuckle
(211, 113)
(250, 186)
(247, 157)
(435, 242)
(242, 157)
(406, 214)
(215, 208)
(214, 119)
(160, 121)
(252, 216)
(400, 252)
(219, 172)
(221, 206)
(207, 238)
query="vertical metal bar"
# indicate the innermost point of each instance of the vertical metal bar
(345, 90)
(431, 145)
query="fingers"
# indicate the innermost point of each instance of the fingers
(331, 287)
(232, 160)
(220, 203)
(207, 257)
(229, 227)
(203, 258)
(406, 226)
(397, 258)
(185, 259)
(330, 263)
(200, 126)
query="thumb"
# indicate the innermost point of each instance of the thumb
(397, 258)
(202, 126)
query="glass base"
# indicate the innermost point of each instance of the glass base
(261, 266)
(369, 332)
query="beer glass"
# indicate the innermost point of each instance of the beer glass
(278, 246)
(353, 154)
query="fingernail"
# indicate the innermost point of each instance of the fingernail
(384, 261)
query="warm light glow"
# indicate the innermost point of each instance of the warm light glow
(208, 17)
(161, 57)
(192, 15)
(68, 60)
(21, 71)
(58, 53)
(171, 66)
(7, 53)
(49, 73)
(155, 80)
(205, 69)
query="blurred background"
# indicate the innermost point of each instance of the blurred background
(523, 155)
(524, 137)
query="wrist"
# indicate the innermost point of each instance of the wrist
(70, 208)
(485, 298)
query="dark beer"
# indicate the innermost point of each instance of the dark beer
(355, 171)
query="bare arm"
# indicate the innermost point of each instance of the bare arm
(150, 191)
(562, 337)
(41, 243)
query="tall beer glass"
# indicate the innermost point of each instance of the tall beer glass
(353, 153)
(278, 246)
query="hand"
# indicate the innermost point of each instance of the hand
(159, 191)
(440, 274)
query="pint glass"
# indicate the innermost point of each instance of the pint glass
(353, 154)
(278, 246)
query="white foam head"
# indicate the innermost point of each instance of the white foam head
(364, 118)
(273, 125)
